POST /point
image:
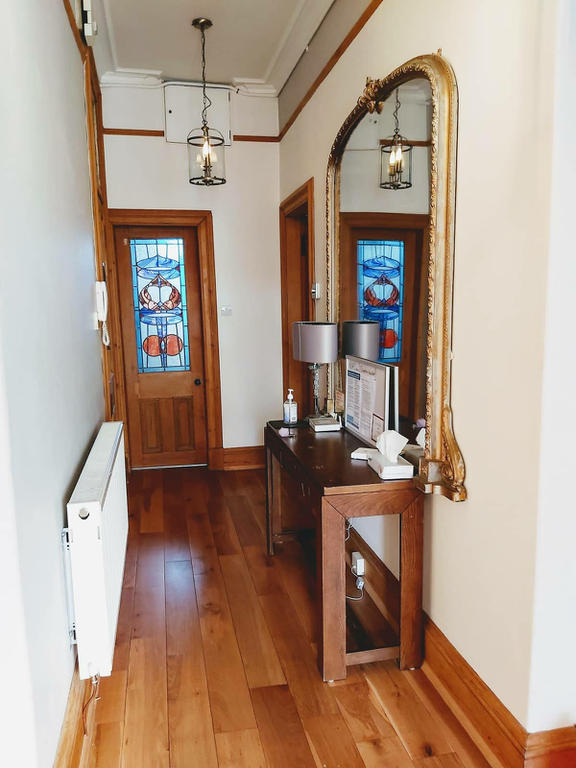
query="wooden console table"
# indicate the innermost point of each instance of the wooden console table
(325, 488)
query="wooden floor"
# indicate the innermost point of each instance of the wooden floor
(215, 663)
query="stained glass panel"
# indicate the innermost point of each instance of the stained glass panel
(380, 265)
(160, 310)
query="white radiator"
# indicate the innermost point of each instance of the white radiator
(96, 541)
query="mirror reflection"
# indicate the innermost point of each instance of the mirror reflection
(383, 220)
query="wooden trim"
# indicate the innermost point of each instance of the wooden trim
(131, 132)
(551, 749)
(413, 143)
(500, 737)
(353, 220)
(303, 196)
(332, 61)
(82, 47)
(228, 459)
(243, 137)
(202, 221)
(375, 654)
(149, 132)
(74, 745)
(148, 217)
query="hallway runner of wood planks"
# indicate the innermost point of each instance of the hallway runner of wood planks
(215, 663)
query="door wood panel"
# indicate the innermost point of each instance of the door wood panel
(166, 408)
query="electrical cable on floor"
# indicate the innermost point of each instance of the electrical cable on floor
(93, 696)
(348, 526)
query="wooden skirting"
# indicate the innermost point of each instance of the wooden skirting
(501, 738)
(228, 459)
(75, 744)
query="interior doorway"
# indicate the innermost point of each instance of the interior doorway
(169, 341)
(297, 277)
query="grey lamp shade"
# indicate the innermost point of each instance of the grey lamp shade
(315, 342)
(361, 338)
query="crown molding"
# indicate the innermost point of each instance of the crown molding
(302, 27)
(254, 87)
(136, 78)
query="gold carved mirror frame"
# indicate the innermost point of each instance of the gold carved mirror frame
(442, 469)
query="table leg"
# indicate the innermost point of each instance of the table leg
(273, 499)
(330, 577)
(411, 557)
(269, 501)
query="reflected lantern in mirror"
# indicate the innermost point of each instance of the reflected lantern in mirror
(395, 157)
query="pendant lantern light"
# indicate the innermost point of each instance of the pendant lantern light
(205, 163)
(396, 158)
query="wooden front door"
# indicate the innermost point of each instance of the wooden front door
(161, 315)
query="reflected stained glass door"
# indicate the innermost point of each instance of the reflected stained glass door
(161, 313)
(380, 280)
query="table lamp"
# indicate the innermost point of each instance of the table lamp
(361, 338)
(315, 343)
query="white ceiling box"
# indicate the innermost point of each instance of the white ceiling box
(183, 111)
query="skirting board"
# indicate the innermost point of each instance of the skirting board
(500, 737)
(228, 459)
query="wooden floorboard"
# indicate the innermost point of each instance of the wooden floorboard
(215, 659)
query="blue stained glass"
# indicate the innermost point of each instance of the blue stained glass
(380, 270)
(160, 309)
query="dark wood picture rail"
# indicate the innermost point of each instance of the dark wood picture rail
(148, 132)
(242, 137)
(415, 143)
(131, 132)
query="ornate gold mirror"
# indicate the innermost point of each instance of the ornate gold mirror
(390, 246)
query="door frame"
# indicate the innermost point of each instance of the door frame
(418, 223)
(202, 222)
(304, 195)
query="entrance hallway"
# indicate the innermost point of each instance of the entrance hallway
(215, 662)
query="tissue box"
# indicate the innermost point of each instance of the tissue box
(388, 471)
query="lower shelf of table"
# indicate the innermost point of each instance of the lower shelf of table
(369, 635)
(375, 654)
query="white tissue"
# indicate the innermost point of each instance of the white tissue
(390, 443)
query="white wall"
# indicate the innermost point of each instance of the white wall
(144, 172)
(480, 554)
(553, 672)
(50, 354)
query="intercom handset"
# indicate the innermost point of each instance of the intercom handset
(101, 292)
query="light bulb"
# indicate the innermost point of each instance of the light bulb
(206, 148)
(392, 162)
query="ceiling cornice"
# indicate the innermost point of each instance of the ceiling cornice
(303, 25)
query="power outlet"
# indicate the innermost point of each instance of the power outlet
(358, 564)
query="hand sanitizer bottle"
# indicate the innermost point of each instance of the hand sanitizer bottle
(290, 409)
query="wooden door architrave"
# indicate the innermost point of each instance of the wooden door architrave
(299, 204)
(202, 221)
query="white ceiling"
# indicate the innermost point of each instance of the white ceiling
(251, 40)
